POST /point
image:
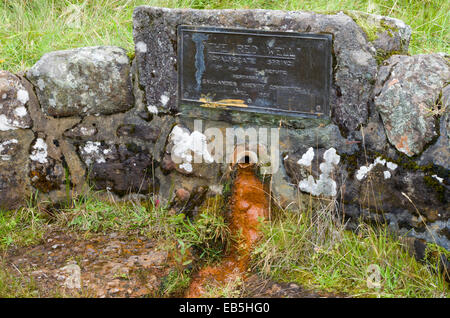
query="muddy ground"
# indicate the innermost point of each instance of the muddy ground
(113, 265)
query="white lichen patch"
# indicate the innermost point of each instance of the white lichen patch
(39, 152)
(363, 171)
(87, 131)
(91, 147)
(3, 145)
(6, 124)
(20, 111)
(92, 152)
(4, 96)
(392, 166)
(441, 180)
(325, 185)
(141, 47)
(187, 145)
(380, 161)
(164, 99)
(22, 96)
(331, 157)
(152, 109)
(307, 158)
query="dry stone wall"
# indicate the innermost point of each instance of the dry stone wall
(92, 116)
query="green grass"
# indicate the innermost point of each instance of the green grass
(30, 28)
(310, 248)
(21, 228)
(207, 233)
(15, 286)
(175, 282)
(314, 250)
(203, 238)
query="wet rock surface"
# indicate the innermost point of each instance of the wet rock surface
(262, 288)
(91, 80)
(113, 265)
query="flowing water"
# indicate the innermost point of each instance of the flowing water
(249, 205)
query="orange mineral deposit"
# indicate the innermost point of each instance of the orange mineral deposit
(249, 205)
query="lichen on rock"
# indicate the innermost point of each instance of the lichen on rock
(13, 100)
(120, 168)
(90, 80)
(325, 185)
(363, 171)
(385, 33)
(186, 146)
(406, 92)
(46, 173)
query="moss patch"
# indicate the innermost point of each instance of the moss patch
(410, 164)
(370, 26)
(381, 55)
(436, 186)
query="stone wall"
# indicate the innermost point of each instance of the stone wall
(91, 116)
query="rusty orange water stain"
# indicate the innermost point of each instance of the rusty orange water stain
(249, 205)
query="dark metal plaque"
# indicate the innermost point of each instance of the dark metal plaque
(252, 70)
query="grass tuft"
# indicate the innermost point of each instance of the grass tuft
(314, 250)
(22, 227)
(14, 286)
(31, 28)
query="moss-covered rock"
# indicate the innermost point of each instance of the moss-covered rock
(388, 35)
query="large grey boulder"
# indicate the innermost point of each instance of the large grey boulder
(407, 91)
(155, 36)
(89, 80)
